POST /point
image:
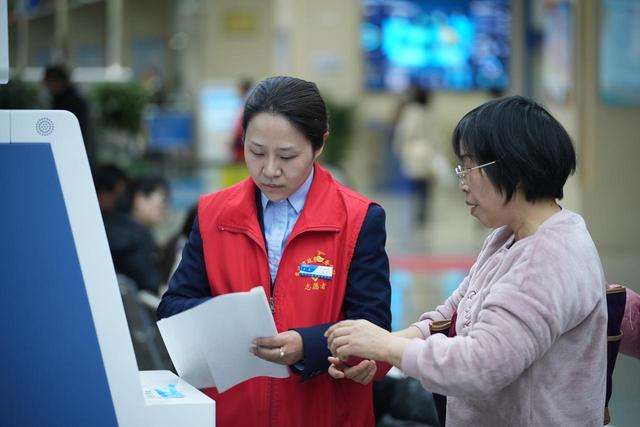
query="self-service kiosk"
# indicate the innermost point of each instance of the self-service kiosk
(65, 350)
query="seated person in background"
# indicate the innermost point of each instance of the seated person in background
(630, 344)
(133, 249)
(530, 318)
(111, 184)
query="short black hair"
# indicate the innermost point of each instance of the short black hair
(419, 95)
(106, 177)
(57, 72)
(533, 151)
(145, 186)
(297, 100)
(149, 184)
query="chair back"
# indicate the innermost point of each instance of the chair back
(616, 300)
(143, 330)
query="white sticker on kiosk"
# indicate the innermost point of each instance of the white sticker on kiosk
(319, 271)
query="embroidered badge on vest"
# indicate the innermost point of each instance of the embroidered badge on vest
(318, 269)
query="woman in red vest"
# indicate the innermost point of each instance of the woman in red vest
(279, 228)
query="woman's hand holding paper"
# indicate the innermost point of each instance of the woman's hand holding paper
(285, 348)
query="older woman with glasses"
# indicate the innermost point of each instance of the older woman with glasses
(526, 346)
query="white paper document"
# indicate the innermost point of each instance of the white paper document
(209, 344)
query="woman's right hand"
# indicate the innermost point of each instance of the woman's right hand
(362, 338)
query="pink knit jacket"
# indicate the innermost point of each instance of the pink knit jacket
(530, 348)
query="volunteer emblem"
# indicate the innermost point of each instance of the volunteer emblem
(319, 269)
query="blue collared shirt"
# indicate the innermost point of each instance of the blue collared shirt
(279, 219)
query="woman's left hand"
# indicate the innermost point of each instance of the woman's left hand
(359, 338)
(362, 373)
(285, 348)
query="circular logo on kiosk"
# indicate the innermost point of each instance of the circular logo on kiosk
(44, 126)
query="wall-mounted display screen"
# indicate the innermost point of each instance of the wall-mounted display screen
(438, 44)
(620, 52)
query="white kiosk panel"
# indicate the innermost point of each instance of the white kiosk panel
(69, 319)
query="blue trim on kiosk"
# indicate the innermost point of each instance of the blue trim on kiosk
(53, 370)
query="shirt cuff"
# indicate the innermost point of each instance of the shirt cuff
(425, 327)
(410, 357)
(315, 349)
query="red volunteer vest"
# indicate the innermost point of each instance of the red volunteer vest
(236, 260)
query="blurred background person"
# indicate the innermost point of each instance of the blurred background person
(534, 299)
(153, 82)
(130, 211)
(415, 142)
(237, 142)
(64, 96)
(111, 185)
(133, 248)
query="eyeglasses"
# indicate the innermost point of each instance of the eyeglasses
(461, 172)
